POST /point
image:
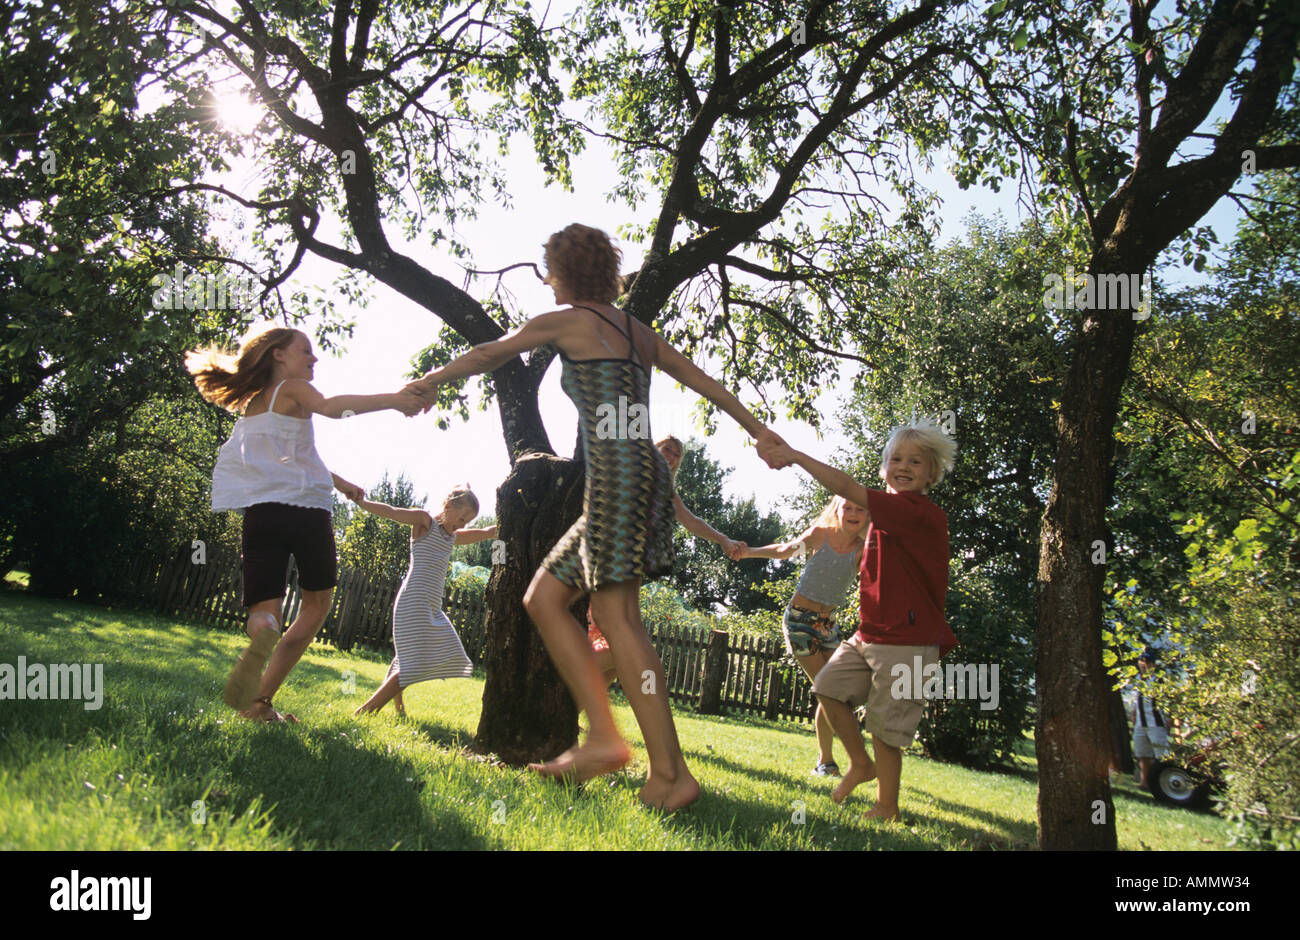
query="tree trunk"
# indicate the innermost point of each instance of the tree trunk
(1073, 726)
(528, 714)
(1121, 742)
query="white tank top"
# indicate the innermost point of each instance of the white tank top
(271, 458)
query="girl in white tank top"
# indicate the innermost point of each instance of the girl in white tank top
(269, 470)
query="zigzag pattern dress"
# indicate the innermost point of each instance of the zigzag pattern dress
(626, 529)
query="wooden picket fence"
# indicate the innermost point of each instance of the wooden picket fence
(713, 670)
(721, 673)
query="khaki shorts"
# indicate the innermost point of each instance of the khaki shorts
(861, 673)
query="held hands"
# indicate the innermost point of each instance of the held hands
(735, 550)
(774, 451)
(350, 490)
(409, 403)
(424, 390)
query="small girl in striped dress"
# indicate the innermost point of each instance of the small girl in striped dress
(426, 642)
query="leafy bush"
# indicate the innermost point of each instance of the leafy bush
(989, 633)
(469, 578)
(662, 607)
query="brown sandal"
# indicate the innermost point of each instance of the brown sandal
(275, 716)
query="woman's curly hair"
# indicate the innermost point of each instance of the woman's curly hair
(586, 262)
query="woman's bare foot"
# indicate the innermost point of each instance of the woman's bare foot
(878, 812)
(670, 795)
(590, 760)
(852, 777)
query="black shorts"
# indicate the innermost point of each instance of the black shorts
(273, 532)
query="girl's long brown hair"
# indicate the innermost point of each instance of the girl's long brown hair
(232, 381)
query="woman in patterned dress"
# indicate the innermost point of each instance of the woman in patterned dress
(625, 533)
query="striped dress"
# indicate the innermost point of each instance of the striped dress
(426, 642)
(625, 532)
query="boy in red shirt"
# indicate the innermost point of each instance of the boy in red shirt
(904, 581)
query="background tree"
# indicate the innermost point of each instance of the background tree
(1106, 115)
(105, 447)
(140, 486)
(81, 344)
(1215, 408)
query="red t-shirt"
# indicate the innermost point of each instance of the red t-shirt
(905, 573)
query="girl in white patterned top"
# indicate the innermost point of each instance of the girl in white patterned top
(269, 470)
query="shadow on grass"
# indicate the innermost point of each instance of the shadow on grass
(1014, 833)
(329, 787)
(827, 826)
(730, 766)
(1017, 833)
(337, 794)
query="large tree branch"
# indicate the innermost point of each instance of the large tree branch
(1209, 67)
(361, 37)
(338, 56)
(1139, 17)
(690, 94)
(722, 42)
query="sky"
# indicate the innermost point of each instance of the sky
(390, 330)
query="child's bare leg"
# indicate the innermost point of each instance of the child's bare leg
(825, 735)
(263, 629)
(548, 601)
(889, 764)
(315, 605)
(392, 687)
(605, 663)
(861, 767)
(311, 615)
(669, 783)
(394, 668)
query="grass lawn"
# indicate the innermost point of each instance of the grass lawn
(163, 764)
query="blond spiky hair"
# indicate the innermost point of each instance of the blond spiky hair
(927, 435)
